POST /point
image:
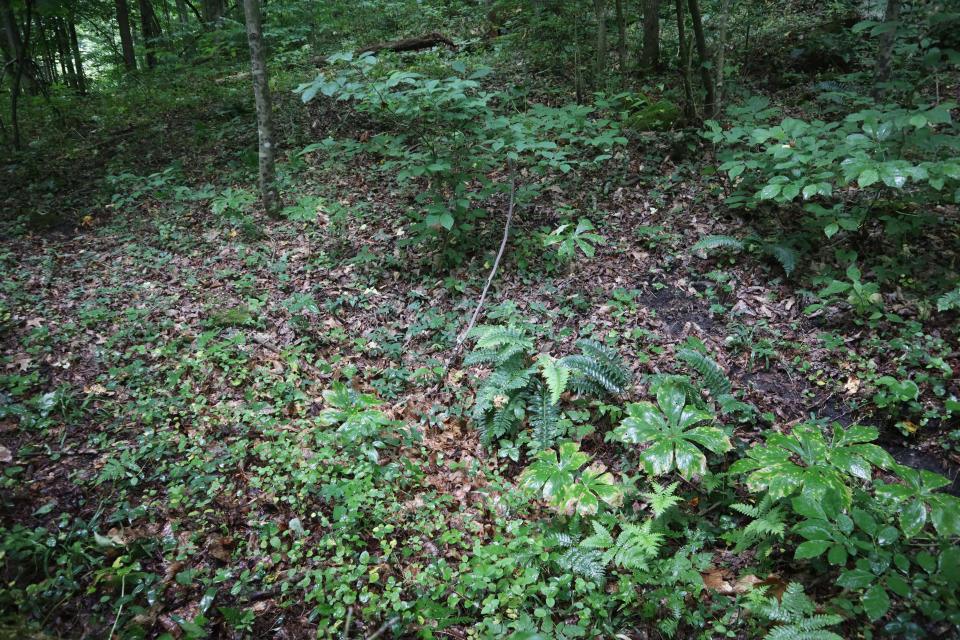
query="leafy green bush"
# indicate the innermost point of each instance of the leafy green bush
(840, 170)
(449, 134)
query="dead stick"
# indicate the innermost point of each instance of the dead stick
(346, 626)
(493, 272)
(386, 625)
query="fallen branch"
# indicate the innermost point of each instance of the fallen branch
(386, 625)
(410, 44)
(486, 287)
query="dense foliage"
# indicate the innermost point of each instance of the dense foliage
(575, 319)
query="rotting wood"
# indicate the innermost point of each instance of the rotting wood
(410, 44)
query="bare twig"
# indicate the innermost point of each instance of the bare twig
(346, 626)
(386, 625)
(486, 287)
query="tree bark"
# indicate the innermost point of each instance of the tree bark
(150, 30)
(182, 12)
(261, 93)
(77, 57)
(651, 34)
(721, 56)
(884, 66)
(621, 39)
(410, 44)
(704, 56)
(690, 105)
(126, 38)
(599, 65)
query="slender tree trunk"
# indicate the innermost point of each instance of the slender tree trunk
(621, 39)
(20, 45)
(77, 57)
(884, 66)
(150, 31)
(600, 64)
(651, 34)
(126, 38)
(721, 56)
(261, 94)
(703, 55)
(690, 105)
(182, 12)
(66, 55)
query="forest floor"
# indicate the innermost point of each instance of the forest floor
(164, 364)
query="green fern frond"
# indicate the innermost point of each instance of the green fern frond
(635, 546)
(609, 360)
(949, 301)
(750, 511)
(786, 256)
(713, 376)
(729, 404)
(662, 498)
(561, 539)
(796, 613)
(586, 563)
(481, 356)
(601, 538)
(496, 337)
(591, 375)
(555, 375)
(717, 242)
(544, 419)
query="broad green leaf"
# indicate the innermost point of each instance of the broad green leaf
(837, 555)
(868, 177)
(876, 602)
(856, 579)
(671, 399)
(770, 191)
(811, 549)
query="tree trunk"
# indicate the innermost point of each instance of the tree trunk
(721, 56)
(600, 64)
(182, 12)
(704, 56)
(77, 57)
(20, 47)
(651, 34)
(261, 94)
(690, 105)
(126, 38)
(150, 30)
(884, 67)
(621, 39)
(66, 54)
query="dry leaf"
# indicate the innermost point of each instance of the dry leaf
(5, 455)
(852, 385)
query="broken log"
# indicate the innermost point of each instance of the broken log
(410, 44)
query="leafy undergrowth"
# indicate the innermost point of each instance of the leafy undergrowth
(216, 425)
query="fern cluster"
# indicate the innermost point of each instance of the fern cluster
(795, 615)
(712, 378)
(633, 549)
(598, 370)
(768, 521)
(786, 256)
(514, 395)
